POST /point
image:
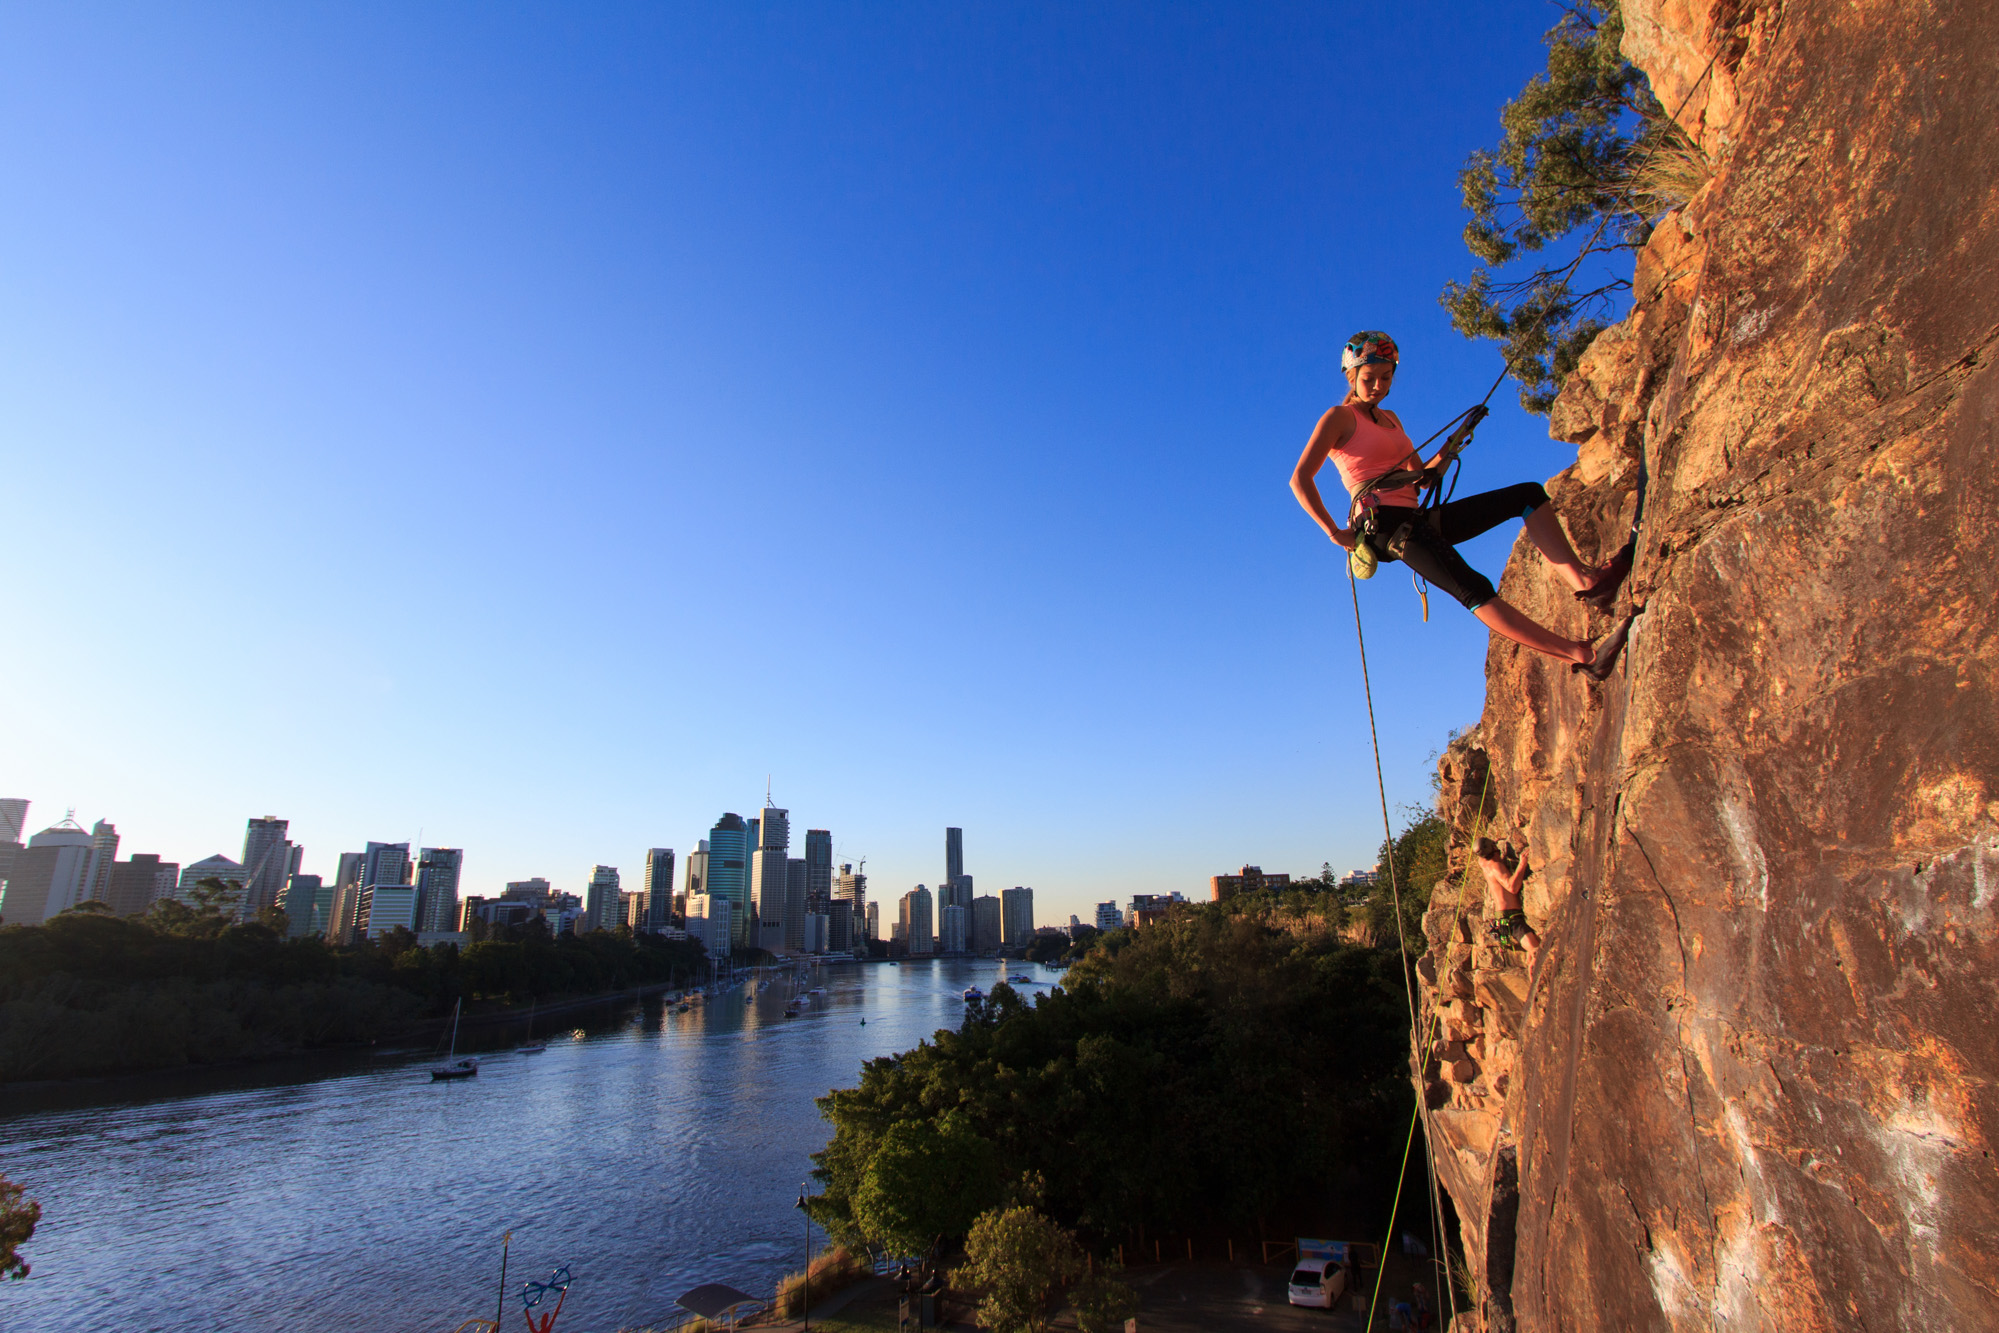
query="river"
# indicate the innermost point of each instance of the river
(651, 1152)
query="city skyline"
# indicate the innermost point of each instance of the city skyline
(330, 864)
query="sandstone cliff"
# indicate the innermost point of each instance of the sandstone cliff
(1751, 1081)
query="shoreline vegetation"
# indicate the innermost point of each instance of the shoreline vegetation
(90, 995)
(1225, 1071)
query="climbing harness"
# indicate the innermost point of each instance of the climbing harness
(1508, 925)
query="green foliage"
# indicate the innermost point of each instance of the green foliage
(1193, 1074)
(1420, 856)
(1014, 1257)
(88, 993)
(926, 1180)
(1568, 144)
(1102, 1302)
(17, 1225)
(1046, 948)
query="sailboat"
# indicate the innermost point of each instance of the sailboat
(454, 1065)
(531, 1046)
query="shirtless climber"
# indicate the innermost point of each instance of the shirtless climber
(1366, 442)
(1509, 922)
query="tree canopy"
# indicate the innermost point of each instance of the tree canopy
(1564, 162)
(1193, 1075)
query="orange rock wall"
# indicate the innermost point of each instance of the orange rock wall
(1753, 1081)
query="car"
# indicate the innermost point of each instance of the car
(1318, 1283)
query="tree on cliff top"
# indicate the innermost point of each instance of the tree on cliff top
(1569, 144)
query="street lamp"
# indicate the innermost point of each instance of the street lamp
(805, 1305)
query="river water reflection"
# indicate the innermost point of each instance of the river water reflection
(655, 1152)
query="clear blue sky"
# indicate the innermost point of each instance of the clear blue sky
(525, 427)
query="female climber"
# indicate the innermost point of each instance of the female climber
(1367, 444)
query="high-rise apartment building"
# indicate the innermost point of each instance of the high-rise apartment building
(873, 929)
(771, 879)
(103, 855)
(602, 907)
(657, 915)
(1016, 917)
(818, 870)
(729, 873)
(916, 919)
(840, 923)
(1108, 916)
(267, 861)
(437, 874)
(47, 875)
(986, 931)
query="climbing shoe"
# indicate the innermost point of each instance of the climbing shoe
(1508, 925)
(1607, 651)
(1603, 592)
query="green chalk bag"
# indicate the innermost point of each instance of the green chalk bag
(1362, 561)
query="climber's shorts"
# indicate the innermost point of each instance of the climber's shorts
(1426, 539)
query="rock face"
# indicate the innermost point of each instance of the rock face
(1753, 1079)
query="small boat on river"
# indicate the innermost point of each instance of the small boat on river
(531, 1046)
(455, 1066)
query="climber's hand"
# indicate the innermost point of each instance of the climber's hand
(1345, 538)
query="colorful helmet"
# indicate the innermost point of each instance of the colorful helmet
(1369, 347)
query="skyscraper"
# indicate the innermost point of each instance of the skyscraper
(437, 872)
(103, 853)
(302, 906)
(851, 886)
(602, 905)
(697, 871)
(985, 924)
(218, 867)
(267, 860)
(956, 890)
(797, 915)
(951, 928)
(819, 871)
(345, 916)
(658, 915)
(385, 863)
(728, 873)
(771, 879)
(1016, 917)
(873, 929)
(1108, 916)
(47, 875)
(916, 918)
(13, 821)
(134, 884)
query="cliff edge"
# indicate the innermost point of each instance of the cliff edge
(1750, 1082)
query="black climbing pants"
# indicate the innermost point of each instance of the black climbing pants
(1426, 539)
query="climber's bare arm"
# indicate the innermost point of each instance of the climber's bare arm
(1334, 428)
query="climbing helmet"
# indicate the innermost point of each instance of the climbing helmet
(1369, 347)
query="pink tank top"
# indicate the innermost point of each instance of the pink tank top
(1374, 450)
